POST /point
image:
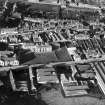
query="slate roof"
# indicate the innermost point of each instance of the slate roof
(60, 55)
(43, 58)
(63, 55)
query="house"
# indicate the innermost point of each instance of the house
(8, 59)
(39, 58)
(72, 51)
(3, 39)
(26, 38)
(70, 86)
(2, 63)
(8, 31)
(12, 39)
(91, 53)
(63, 55)
(85, 72)
(81, 37)
(46, 75)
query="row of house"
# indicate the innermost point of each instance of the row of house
(9, 62)
(8, 59)
(37, 48)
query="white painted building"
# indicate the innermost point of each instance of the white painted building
(38, 48)
(5, 31)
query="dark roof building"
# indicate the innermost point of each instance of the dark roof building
(63, 55)
(43, 58)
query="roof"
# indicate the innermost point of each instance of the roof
(46, 72)
(63, 55)
(60, 55)
(43, 58)
(9, 58)
(26, 56)
(5, 52)
(84, 67)
(85, 7)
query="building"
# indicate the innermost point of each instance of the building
(13, 39)
(3, 38)
(47, 75)
(8, 31)
(7, 60)
(72, 52)
(38, 48)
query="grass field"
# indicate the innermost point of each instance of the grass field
(49, 96)
(54, 97)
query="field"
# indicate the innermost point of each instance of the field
(49, 96)
(54, 97)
